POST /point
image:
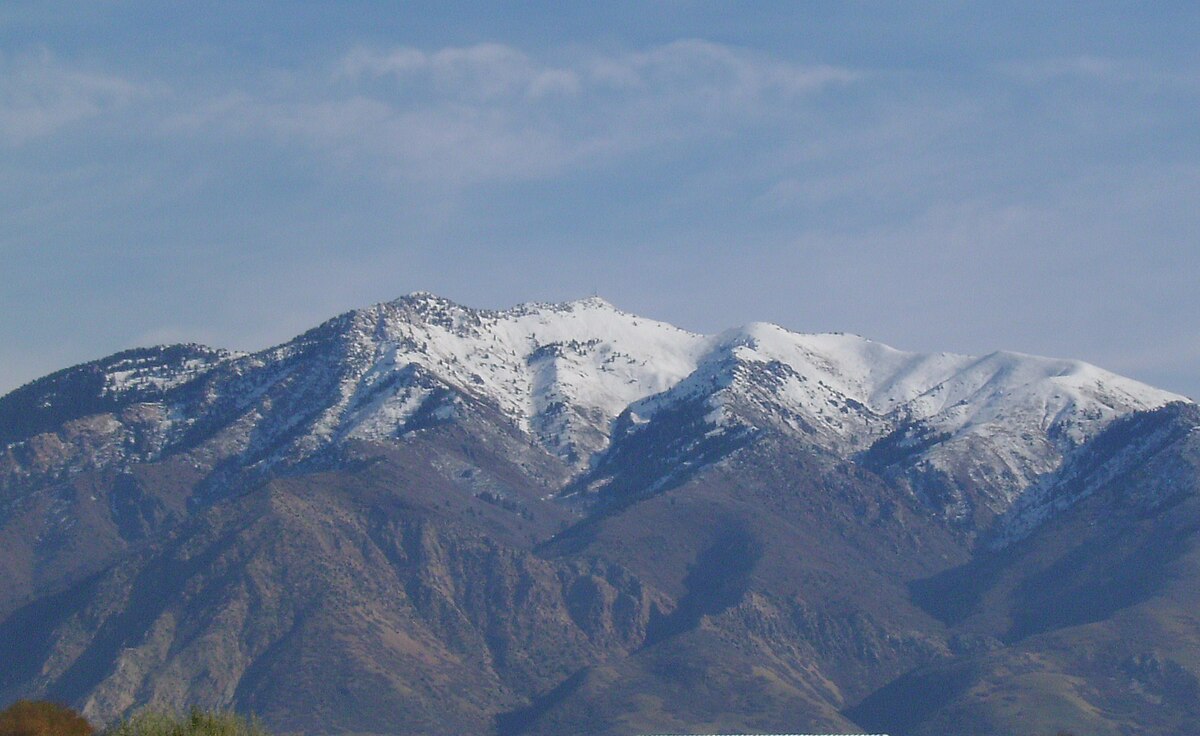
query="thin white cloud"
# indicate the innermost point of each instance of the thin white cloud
(1099, 69)
(455, 116)
(452, 144)
(723, 73)
(1095, 67)
(490, 112)
(363, 61)
(553, 82)
(40, 96)
(484, 72)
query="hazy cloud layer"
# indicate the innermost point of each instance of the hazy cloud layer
(491, 113)
(39, 95)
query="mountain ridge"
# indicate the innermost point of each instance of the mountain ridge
(565, 374)
(566, 516)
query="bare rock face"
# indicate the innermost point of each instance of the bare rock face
(424, 518)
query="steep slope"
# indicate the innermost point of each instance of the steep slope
(566, 375)
(417, 588)
(134, 376)
(393, 576)
(786, 568)
(567, 517)
(1091, 617)
(966, 435)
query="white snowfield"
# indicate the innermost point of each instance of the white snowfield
(564, 372)
(529, 361)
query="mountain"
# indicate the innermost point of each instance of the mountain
(424, 518)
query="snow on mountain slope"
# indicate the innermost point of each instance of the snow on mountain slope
(1002, 386)
(561, 372)
(839, 385)
(871, 373)
(570, 374)
(847, 384)
(970, 434)
(1005, 420)
(1154, 455)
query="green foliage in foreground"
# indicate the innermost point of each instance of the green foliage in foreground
(195, 723)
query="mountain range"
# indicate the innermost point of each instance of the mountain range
(424, 518)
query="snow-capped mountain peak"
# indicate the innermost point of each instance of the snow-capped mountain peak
(577, 376)
(561, 372)
(998, 422)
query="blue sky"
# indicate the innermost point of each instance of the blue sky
(938, 176)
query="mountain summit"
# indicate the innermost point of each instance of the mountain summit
(571, 375)
(531, 511)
